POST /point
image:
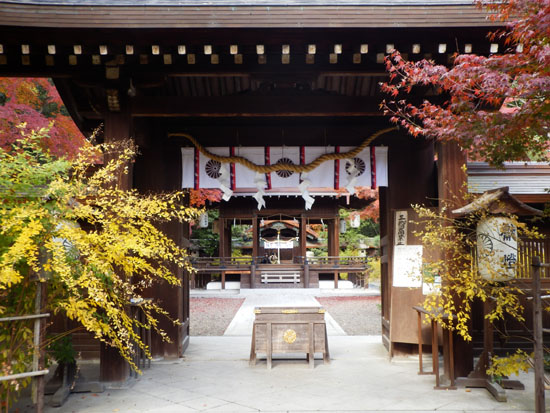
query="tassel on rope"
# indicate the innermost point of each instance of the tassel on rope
(303, 187)
(260, 182)
(225, 182)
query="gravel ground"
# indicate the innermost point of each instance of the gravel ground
(211, 316)
(358, 316)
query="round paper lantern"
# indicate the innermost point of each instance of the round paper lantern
(343, 227)
(203, 220)
(497, 248)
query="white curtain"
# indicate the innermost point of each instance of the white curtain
(323, 175)
(245, 178)
(320, 177)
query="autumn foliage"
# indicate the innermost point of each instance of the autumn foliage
(497, 107)
(198, 197)
(35, 103)
(97, 247)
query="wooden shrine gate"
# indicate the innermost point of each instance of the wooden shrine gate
(245, 74)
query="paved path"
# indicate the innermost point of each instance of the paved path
(214, 376)
(241, 325)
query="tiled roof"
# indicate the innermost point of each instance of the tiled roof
(193, 3)
(241, 14)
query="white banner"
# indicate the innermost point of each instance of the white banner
(278, 244)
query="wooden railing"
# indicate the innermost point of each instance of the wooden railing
(232, 263)
(335, 261)
(202, 263)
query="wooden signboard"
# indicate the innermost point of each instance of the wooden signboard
(407, 287)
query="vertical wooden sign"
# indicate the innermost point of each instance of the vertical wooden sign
(401, 225)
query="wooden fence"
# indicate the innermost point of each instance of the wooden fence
(527, 250)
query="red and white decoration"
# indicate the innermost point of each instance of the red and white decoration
(368, 168)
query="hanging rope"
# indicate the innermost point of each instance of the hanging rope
(283, 166)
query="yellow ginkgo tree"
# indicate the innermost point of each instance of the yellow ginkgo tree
(455, 277)
(66, 223)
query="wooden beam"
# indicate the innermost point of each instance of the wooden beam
(254, 106)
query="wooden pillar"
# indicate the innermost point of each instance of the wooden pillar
(538, 337)
(306, 273)
(450, 184)
(303, 236)
(221, 247)
(164, 158)
(227, 238)
(112, 367)
(333, 243)
(255, 248)
(252, 274)
(185, 297)
(303, 249)
(450, 174)
(255, 237)
(118, 128)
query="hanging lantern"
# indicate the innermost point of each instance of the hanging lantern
(354, 220)
(497, 247)
(203, 220)
(342, 226)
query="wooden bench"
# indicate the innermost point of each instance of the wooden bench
(280, 276)
(289, 330)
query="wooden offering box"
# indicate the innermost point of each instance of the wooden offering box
(289, 330)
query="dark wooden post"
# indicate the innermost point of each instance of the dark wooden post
(227, 248)
(306, 272)
(302, 233)
(221, 247)
(112, 367)
(165, 161)
(252, 272)
(303, 249)
(334, 243)
(450, 183)
(255, 236)
(537, 333)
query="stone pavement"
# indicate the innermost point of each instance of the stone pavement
(241, 325)
(214, 376)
